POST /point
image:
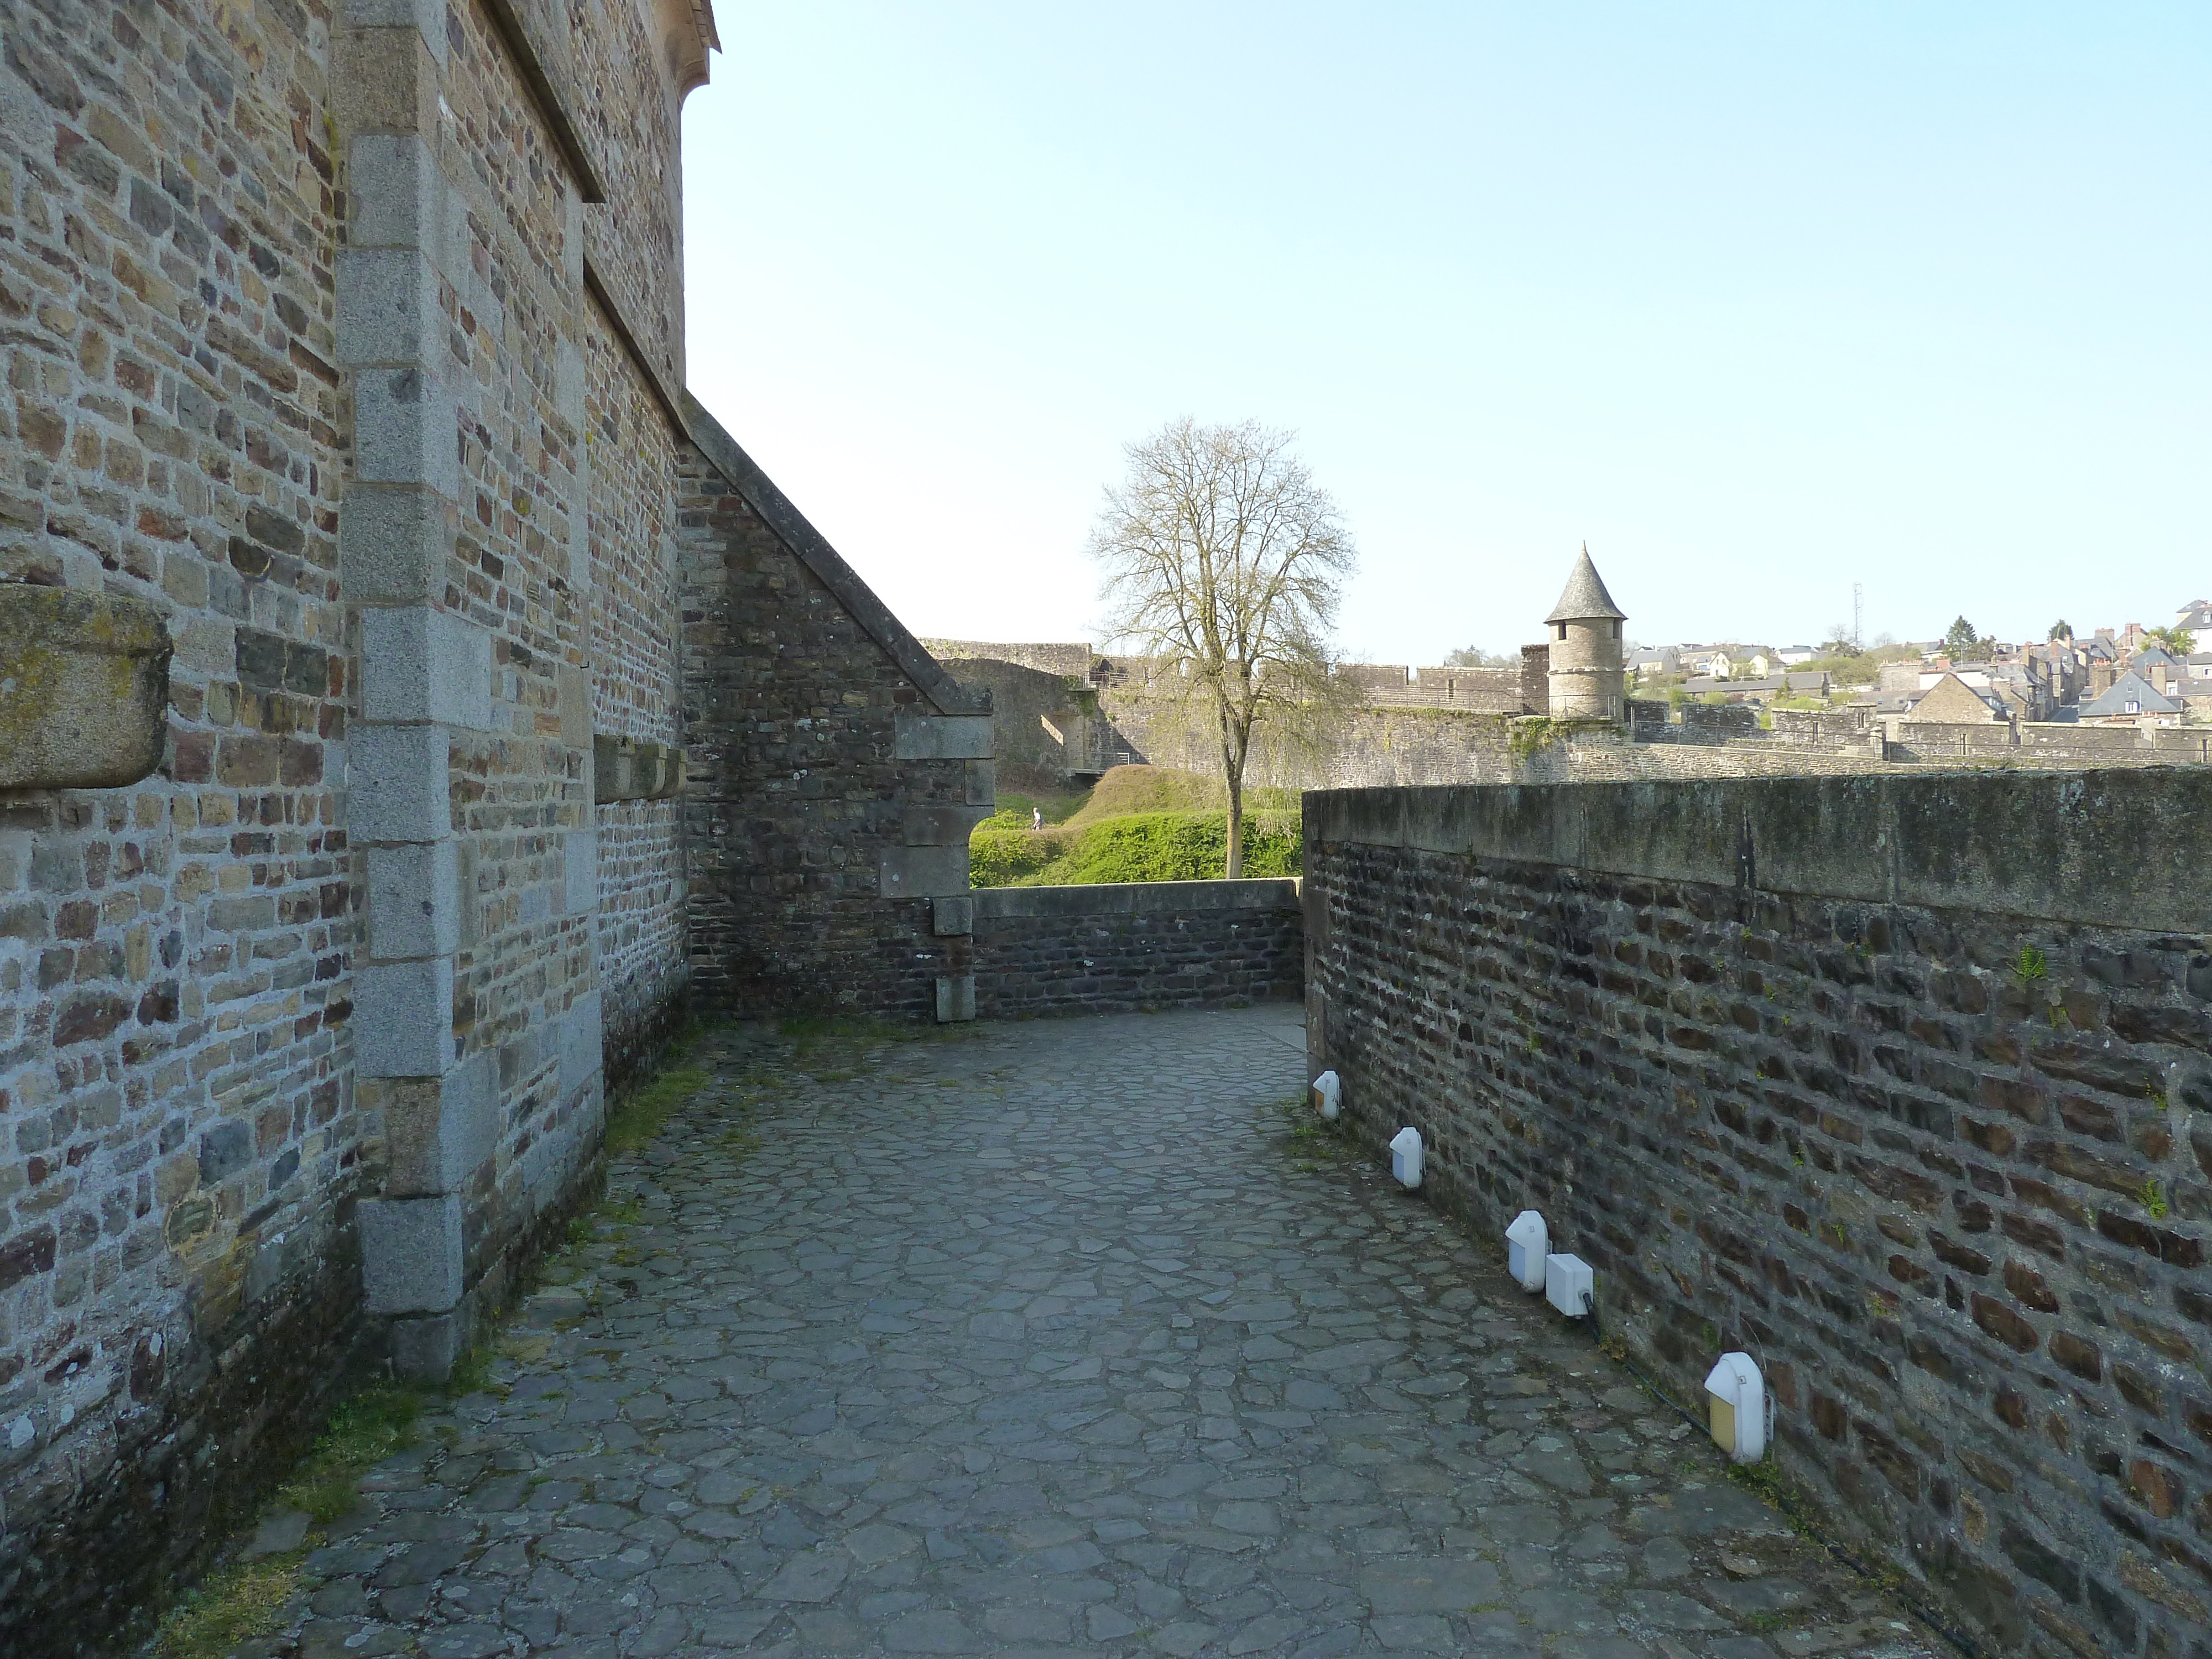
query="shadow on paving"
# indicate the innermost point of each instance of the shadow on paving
(1052, 1340)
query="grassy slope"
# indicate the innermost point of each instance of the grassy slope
(1139, 824)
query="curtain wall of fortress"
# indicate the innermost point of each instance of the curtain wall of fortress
(411, 696)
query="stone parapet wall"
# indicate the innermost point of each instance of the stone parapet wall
(1116, 948)
(1899, 1083)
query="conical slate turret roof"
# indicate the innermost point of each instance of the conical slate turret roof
(1585, 599)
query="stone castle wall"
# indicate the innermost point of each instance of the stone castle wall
(1900, 1084)
(1434, 725)
(351, 343)
(184, 1144)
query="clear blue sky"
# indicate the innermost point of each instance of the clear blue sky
(1758, 298)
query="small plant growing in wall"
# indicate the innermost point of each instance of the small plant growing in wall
(2153, 1198)
(2030, 965)
(1534, 734)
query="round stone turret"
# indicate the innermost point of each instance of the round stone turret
(1586, 648)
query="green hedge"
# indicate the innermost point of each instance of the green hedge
(1140, 846)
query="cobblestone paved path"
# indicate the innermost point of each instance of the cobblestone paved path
(1050, 1339)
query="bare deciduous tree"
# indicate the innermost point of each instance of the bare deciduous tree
(1223, 557)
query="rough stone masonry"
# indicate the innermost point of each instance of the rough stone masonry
(1901, 1084)
(386, 586)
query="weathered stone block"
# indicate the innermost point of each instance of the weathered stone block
(673, 762)
(426, 1347)
(580, 871)
(402, 1017)
(574, 688)
(393, 544)
(943, 737)
(387, 307)
(386, 81)
(954, 915)
(631, 769)
(405, 422)
(414, 900)
(394, 183)
(614, 768)
(923, 872)
(421, 664)
(581, 1036)
(955, 998)
(436, 1130)
(411, 1253)
(84, 689)
(398, 783)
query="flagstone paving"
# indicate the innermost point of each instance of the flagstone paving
(1047, 1340)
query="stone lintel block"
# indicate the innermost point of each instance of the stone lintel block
(580, 871)
(940, 826)
(954, 916)
(411, 1253)
(393, 190)
(402, 1017)
(406, 428)
(955, 998)
(394, 542)
(943, 737)
(384, 75)
(421, 664)
(923, 871)
(983, 784)
(582, 1040)
(84, 689)
(437, 1130)
(414, 900)
(398, 783)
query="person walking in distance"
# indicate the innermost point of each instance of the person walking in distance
(1036, 818)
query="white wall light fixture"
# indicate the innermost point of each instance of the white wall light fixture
(1736, 1397)
(1569, 1285)
(1528, 1242)
(1406, 1156)
(1327, 1096)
